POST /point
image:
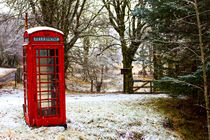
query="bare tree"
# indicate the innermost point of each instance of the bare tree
(73, 17)
(129, 29)
(90, 63)
(10, 41)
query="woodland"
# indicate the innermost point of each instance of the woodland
(169, 39)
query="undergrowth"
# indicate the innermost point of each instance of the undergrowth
(186, 118)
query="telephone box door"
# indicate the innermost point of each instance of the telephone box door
(48, 80)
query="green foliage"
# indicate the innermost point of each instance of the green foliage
(208, 33)
(162, 16)
(174, 35)
(190, 85)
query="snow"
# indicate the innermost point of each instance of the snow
(89, 116)
(4, 71)
(35, 29)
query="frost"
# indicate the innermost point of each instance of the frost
(35, 29)
(4, 71)
(89, 116)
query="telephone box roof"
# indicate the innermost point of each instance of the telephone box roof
(35, 29)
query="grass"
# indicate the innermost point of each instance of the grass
(186, 119)
(11, 85)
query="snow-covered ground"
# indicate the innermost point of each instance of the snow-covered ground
(89, 116)
(4, 71)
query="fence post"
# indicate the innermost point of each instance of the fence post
(18, 74)
(15, 79)
(91, 88)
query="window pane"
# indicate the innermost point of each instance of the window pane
(47, 71)
(46, 78)
(46, 61)
(48, 111)
(43, 52)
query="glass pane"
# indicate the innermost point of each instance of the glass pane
(37, 52)
(48, 111)
(46, 78)
(43, 52)
(47, 52)
(47, 86)
(46, 61)
(46, 95)
(24, 52)
(51, 52)
(48, 103)
(37, 61)
(56, 52)
(47, 71)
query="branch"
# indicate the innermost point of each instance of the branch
(202, 106)
(93, 35)
(80, 12)
(179, 81)
(112, 18)
(32, 4)
(109, 46)
(92, 19)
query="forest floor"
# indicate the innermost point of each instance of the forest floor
(89, 116)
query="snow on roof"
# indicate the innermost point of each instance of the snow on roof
(35, 29)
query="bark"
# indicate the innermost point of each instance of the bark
(91, 85)
(65, 15)
(127, 63)
(157, 65)
(86, 47)
(205, 84)
(143, 63)
(118, 17)
(18, 74)
(100, 82)
(150, 61)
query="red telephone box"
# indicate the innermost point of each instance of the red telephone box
(43, 72)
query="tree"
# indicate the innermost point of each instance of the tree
(69, 16)
(177, 26)
(10, 41)
(129, 29)
(173, 35)
(94, 58)
(203, 60)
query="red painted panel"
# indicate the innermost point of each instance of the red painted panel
(45, 107)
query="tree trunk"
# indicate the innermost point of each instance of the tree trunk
(127, 63)
(158, 70)
(205, 84)
(98, 86)
(150, 61)
(100, 83)
(85, 65)
(91, 85)
(19, 74)
(119, 20)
